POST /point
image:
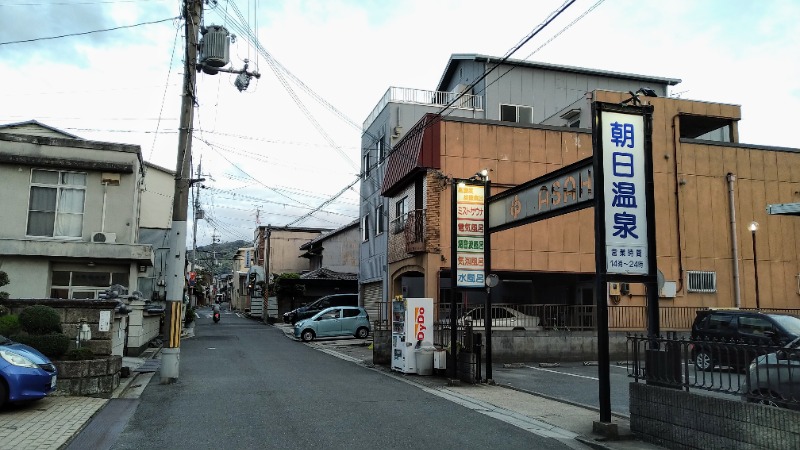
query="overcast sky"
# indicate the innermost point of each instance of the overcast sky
(265, 160)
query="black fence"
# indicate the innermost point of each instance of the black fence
(767, 374)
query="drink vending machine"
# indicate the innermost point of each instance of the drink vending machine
(412, 323)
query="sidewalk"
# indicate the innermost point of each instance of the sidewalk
(563, 421)
(50, 423)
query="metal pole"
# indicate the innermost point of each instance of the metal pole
(176, 277)
(487, 260)
(755, 269)
(737, 293)
(195, 207)
(451, 362)
(601, 276)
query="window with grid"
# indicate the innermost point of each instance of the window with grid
(381, 149)
(401, 213)
(366, 165)
(84, 284)
(699, 281)
(365, 228)
(516, 113)
(379, 220)
(56, 203)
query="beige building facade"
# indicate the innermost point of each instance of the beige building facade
(702, 244)
(71, 206)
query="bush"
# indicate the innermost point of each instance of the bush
(9, 325)
(189, 315)
(52, 345)
(78, 354)
(40, 319)
(4, 311)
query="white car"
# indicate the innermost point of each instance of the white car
(503, 318)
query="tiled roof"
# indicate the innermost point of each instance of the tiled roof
(327, 274)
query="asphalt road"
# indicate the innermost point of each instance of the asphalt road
(572, 382)
(577, 383)
(244, 385)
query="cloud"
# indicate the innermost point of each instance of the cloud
(125, 86)
(36, 21)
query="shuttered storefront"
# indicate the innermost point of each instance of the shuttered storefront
(372, 293)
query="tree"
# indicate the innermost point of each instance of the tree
(3, 281)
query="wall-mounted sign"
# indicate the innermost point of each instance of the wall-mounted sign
(625, 204)
(559, 192)
(105, 321)
(469, 231)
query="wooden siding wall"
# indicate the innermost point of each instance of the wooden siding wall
(516, 155)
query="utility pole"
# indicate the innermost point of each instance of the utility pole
(176, 276)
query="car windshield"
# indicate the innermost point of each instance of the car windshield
(789, 323)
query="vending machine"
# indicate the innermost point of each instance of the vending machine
(412, 327)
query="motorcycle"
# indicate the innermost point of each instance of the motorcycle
(216, 316)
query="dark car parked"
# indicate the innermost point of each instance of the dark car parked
(734, 338)
(318, 305)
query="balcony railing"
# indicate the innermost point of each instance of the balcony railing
(412, 225)
(415, 231)
(423, 97)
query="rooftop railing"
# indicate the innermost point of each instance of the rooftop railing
(423, 97)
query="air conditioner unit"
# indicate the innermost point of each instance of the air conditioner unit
(102, 237)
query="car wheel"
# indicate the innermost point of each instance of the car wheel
(307, 336)
(703, 361)
(362, 333)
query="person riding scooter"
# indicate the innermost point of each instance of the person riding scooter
(215, 310)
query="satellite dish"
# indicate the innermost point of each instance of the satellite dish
(660, 279)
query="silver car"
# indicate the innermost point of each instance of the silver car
(334, 321)
(774, 379)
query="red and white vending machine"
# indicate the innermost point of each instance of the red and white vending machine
(412, 323)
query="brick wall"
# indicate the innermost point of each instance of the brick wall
(433, 216)
(684, 420)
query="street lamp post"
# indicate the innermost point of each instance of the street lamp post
(753, 228)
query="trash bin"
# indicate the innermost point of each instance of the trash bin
(424, 360)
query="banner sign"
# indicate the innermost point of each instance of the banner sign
(623, 144)
(469, 233)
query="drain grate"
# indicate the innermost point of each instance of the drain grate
(151, 365)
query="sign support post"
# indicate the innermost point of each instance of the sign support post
(625, 249)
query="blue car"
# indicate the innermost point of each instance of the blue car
(335, 321)
(25, 374)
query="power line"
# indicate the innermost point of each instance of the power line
(96, 2)
(88, 32)
(164, 96)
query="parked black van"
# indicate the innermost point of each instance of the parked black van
(318, 305)
(733, 337)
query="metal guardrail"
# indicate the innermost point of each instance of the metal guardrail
(423, 97)
(767, 374)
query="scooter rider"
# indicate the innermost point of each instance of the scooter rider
(215, 312)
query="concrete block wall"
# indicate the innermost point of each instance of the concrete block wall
(684, 420)
(71, 312)
(142, 328)
(552, 345)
